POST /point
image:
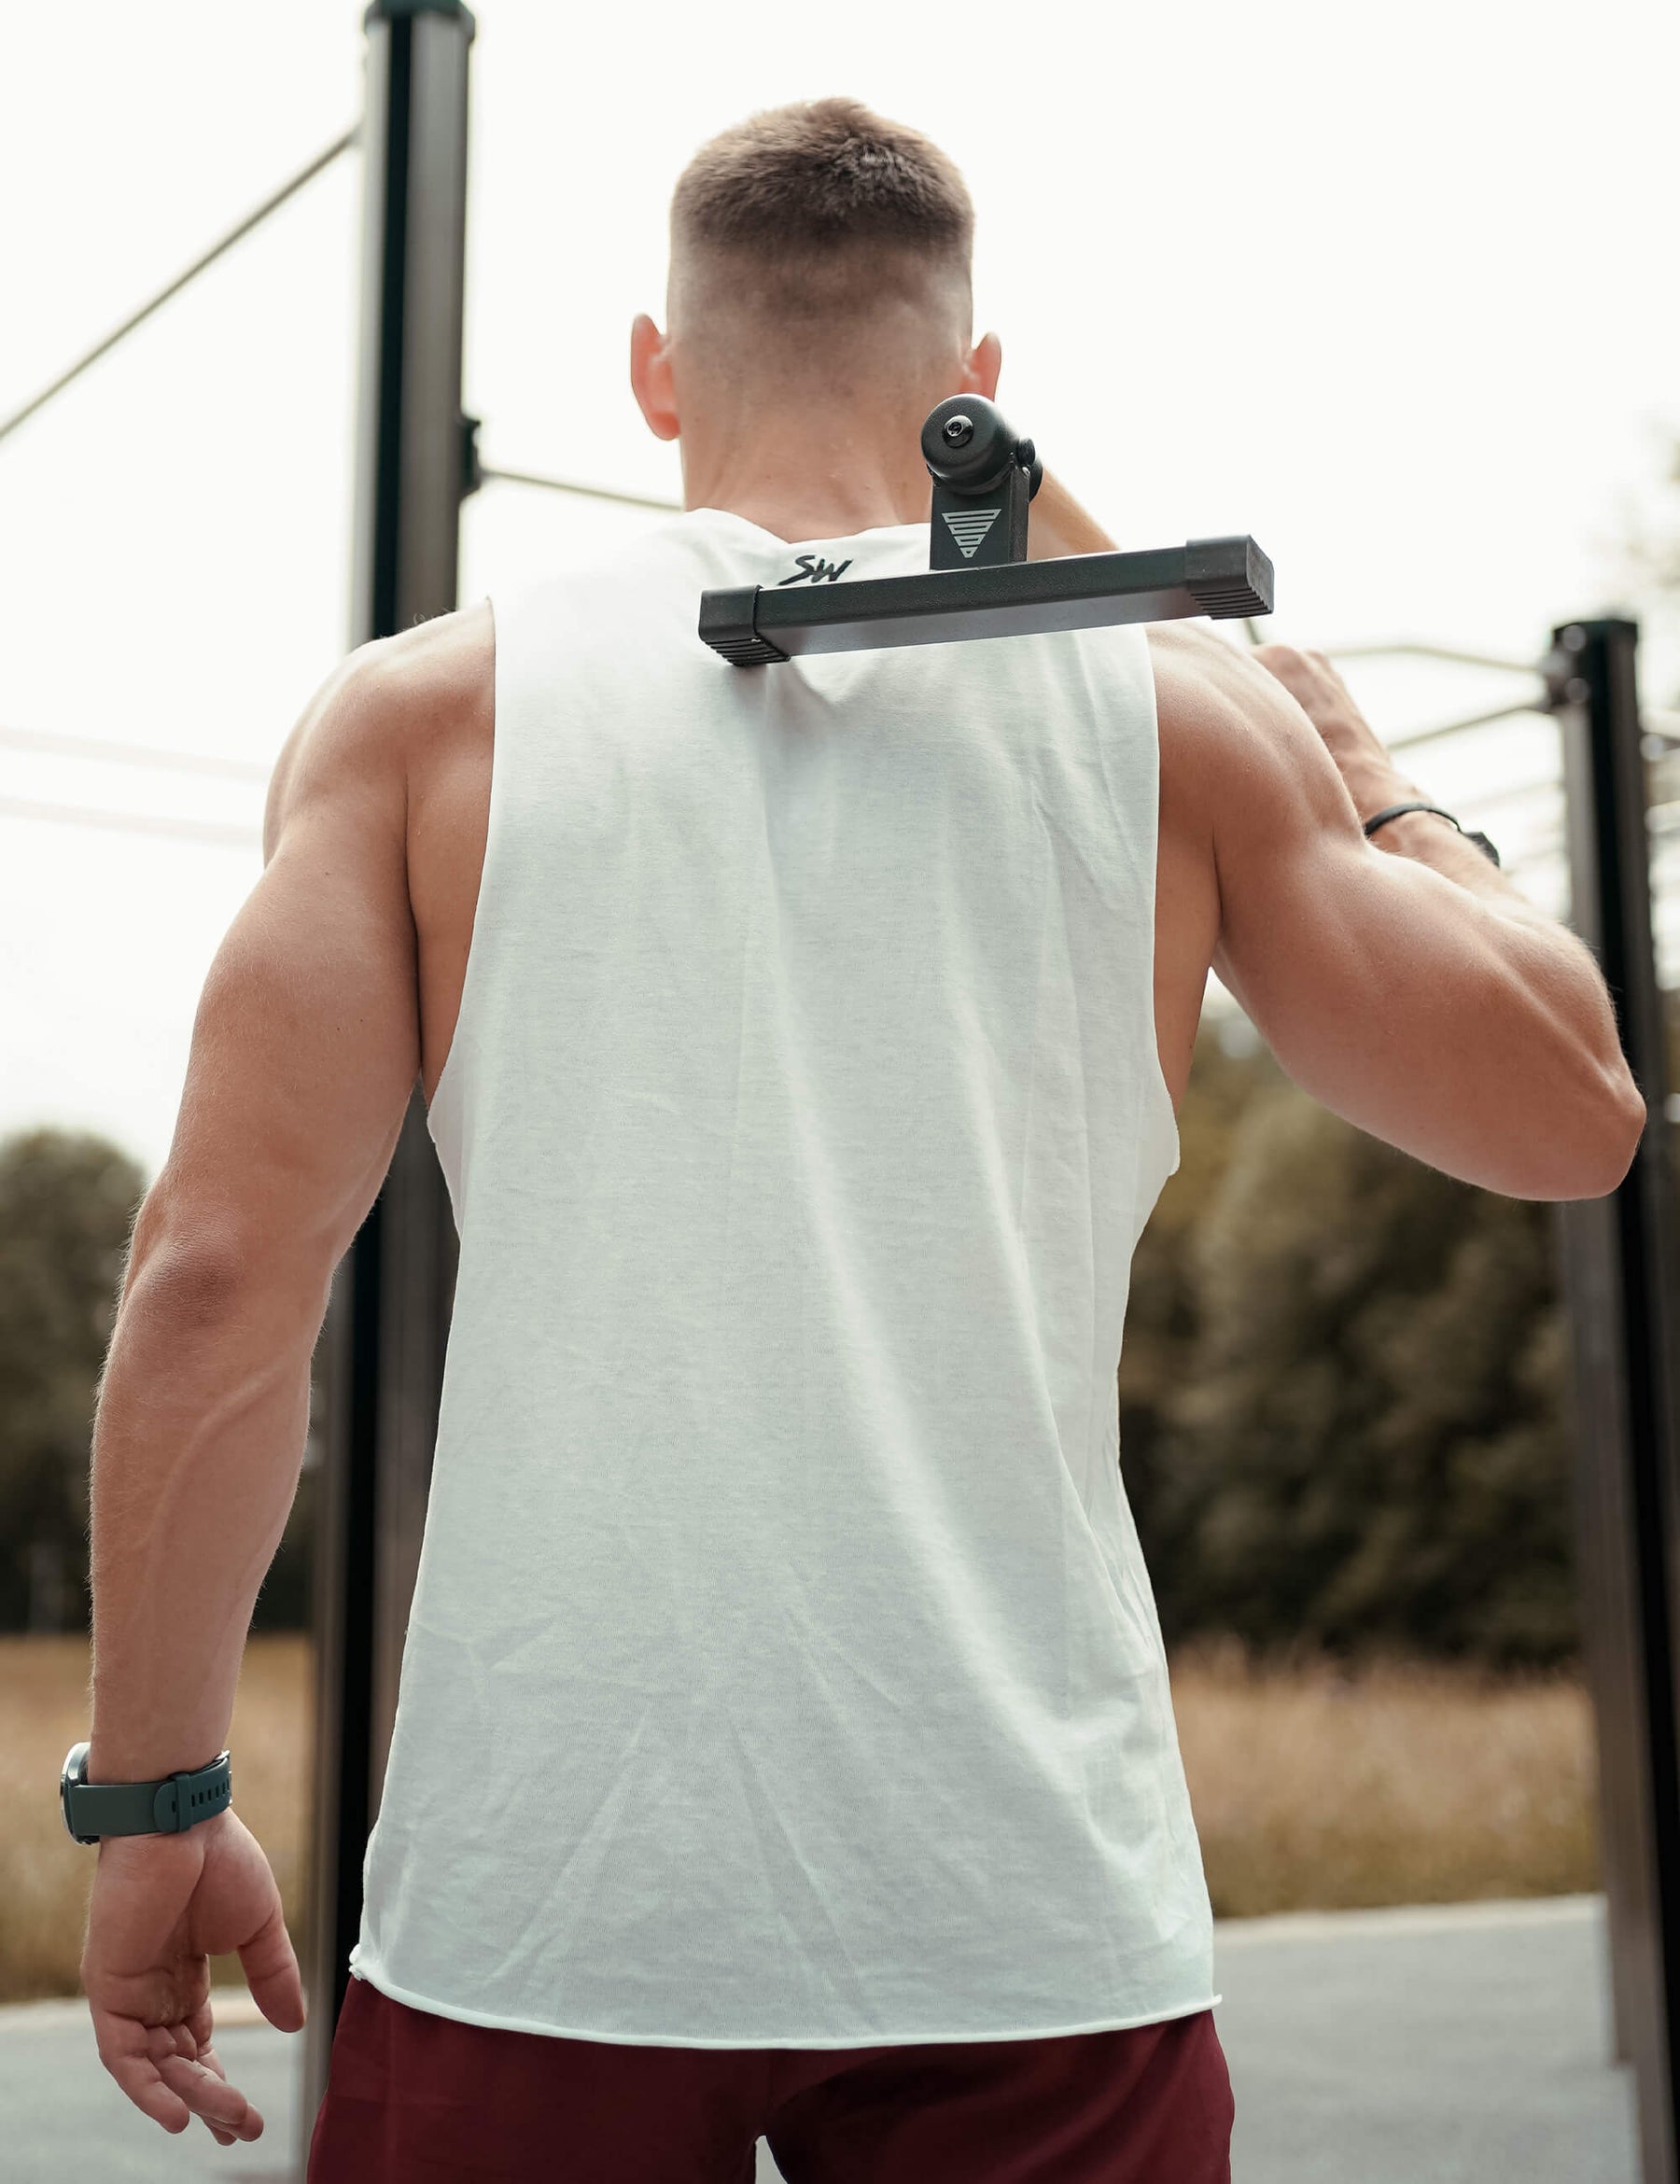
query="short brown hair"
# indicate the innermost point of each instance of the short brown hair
(807, 215)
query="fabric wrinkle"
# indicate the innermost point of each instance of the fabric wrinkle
(782, 1670)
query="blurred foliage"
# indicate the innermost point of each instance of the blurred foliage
(67, 1203)
(1343, 1398)
(67, 1206)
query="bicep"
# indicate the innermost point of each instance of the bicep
(305, 1043)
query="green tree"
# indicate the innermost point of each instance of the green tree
(68, 1206)
(1365, 1445)
(67, 1203)
(1163, 1317)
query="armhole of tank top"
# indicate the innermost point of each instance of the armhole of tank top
(1162, 1089)
(443, 1112)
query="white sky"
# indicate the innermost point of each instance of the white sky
(1394, 291)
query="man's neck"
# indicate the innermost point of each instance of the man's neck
(795, 494)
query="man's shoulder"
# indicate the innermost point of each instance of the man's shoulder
(1231, 737)
(400, 684)
(393, 689)
(387, 705)
(1213, 696)
(1193, 665)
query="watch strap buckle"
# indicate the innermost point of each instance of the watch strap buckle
(194, 1794)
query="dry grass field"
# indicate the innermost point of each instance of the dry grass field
(45, 1877)
(1311, 1790)
(1401, 1783)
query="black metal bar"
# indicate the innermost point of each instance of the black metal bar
(187, 276)
(1619, 1287)
(753, 625)
(389, 1317)
(493, 474)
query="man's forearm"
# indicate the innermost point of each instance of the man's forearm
(1432, 840)
(1565, 971)
(198, 1441)
(1056, 524)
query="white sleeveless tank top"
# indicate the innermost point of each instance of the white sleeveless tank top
(782, 1669)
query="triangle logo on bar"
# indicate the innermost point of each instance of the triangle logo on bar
(969, 528)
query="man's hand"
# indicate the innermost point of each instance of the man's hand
(162, 1907)
(1372, 777)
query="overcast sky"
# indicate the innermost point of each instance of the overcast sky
(1394, 291)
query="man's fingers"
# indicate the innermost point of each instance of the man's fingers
(1300, 672)
(186, 2039)
(207, 2094)
(1310, 677)
(212, 2061)
(172, 2073)
(138, 2074)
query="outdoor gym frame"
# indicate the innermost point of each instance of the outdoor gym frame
(388, 1317)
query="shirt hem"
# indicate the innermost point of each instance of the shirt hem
(497, 2022)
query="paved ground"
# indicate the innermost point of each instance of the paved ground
(1469, 2045)
(1466, 2045)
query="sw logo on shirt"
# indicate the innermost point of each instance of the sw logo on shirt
(814, 566)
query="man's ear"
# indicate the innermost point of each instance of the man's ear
(985, 362)
(651, 378)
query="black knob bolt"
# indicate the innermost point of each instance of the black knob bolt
(958, 431)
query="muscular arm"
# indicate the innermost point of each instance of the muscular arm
(1418, 995)
(1410, 986)
(303, 1052)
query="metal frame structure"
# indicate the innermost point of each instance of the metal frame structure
(1618, 1285)
(388, 1320)
(1617, 1281)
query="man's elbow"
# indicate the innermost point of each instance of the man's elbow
(188, 1285)
(196, 1270)
(1599, 1161)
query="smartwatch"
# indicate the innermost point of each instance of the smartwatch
(168, 1806)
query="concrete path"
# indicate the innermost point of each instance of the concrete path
(1469, 2044)
(61, 2116)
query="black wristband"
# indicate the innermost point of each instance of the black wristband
(1394, 811)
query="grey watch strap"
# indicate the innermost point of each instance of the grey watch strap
(167, 1806)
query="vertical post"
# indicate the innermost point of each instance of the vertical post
(1619, 1286)
(389, 1317)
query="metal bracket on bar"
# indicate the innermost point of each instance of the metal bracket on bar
(981, 493)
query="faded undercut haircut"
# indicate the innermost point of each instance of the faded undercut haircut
(818, 229)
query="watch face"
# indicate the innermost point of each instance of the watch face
(75, 1771)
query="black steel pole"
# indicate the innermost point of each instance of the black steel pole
(388, 1319)
(1619, 1287)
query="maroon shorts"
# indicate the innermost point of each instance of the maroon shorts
(416, 2098)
